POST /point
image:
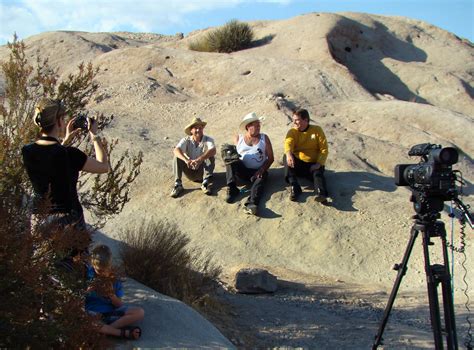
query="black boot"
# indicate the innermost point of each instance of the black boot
(232, 192)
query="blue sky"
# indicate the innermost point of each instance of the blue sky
(29, 17)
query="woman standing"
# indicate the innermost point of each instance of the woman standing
(53, 167)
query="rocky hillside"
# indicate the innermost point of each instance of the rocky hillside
(377, 85)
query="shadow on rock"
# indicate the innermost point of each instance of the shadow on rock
(267, 39)
(274, 184)
(342, 186)
(363, 49)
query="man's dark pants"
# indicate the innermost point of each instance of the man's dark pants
(302, 169)
(238, 169)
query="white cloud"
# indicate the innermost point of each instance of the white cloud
(29, 17)
(15, 19)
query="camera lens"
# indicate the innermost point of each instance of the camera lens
(447, 155)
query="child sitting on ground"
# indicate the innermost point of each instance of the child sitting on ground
(104, 297)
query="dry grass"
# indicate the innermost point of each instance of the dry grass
(200, 45)
(231, 37)
(157, 254)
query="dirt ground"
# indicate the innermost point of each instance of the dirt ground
(325, 314)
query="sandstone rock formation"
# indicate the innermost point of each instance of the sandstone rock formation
(377, 85)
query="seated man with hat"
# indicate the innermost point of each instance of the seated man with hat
(256, 156)
(194, 155)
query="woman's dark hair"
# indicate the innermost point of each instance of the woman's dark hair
(302, 113)
(47, 113)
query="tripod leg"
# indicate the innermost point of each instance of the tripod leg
(432, 284)
(449, 319)
(436, 274)
(401, 268)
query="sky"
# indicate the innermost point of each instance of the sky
(29, 17)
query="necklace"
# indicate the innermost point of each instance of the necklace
(49, 138)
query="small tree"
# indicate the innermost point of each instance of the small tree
(40, 305)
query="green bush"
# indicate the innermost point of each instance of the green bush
(231, 37)
(156, 253)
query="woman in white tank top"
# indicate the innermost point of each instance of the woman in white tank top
(256, 156)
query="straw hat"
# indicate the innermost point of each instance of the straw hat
(249, 118)
(195, 121)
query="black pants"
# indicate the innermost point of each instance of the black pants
(238, 169)
(45, 224)
(303, 169)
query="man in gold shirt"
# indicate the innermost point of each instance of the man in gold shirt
(306, 150)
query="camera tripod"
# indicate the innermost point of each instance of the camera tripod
(436, 274)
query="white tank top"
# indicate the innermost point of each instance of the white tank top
(253, 157)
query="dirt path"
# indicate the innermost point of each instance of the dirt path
(327, 315)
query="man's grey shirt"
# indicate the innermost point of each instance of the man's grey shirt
(194, 150)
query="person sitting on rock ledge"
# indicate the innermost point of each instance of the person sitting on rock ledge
(256, 156)
(195, 156)
(103, 298)
(306, 151)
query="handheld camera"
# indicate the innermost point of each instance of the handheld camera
(81, 122)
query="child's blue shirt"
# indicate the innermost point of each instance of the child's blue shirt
(97, 303)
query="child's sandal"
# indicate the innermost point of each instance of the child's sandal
(131, 332)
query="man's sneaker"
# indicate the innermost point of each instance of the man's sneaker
(250, 209)
(206, 187)
(295, 191)
(177, 190)
(232, 192)
(321, 199)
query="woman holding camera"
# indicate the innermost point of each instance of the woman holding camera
(53, 166)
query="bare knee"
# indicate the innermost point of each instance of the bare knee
(141, 313)
(137, 312)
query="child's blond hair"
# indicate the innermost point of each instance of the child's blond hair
(101, 257)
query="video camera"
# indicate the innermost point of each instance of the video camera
(434, 174)
(432, 180)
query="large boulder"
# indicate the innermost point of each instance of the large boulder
(169, 323)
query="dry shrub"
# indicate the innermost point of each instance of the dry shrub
(231, 37)
(41, 304)
(157, 254)
(200, 45)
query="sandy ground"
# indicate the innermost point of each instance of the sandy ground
(325, 316)
(377, 85)
(320, 313)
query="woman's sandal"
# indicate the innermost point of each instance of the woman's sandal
(133, 333)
